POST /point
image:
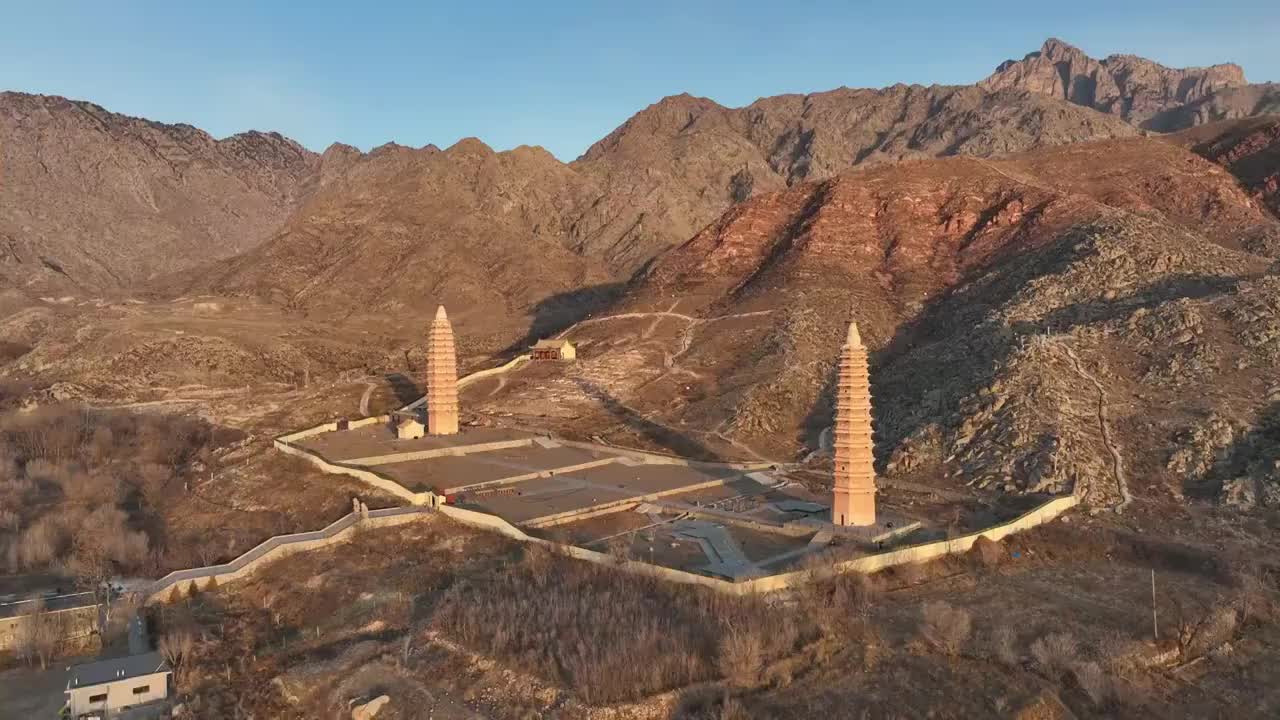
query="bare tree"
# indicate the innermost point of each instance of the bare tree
(177, 646)
(101, 544)
(39, 634)
(1252, 598)
(741, 655)
(1055, 653)
(1004, 645)
(153, 482)
(1202, 627)
(945, 627)
(1096, 683)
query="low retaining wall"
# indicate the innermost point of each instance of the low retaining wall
(569, 516)
(476, 487)
(276, 548)
(376, 460)
(728, 518)
(659, 459)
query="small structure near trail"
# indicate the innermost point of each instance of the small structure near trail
(409, 427)
(554, 350)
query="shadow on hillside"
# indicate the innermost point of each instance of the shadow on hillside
(557, 312)
(1191, 287)
(660, 435)
(823, 414)
(404, 387)
(1251, 456)
(957, 344)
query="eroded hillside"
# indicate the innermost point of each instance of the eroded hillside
(93, 201)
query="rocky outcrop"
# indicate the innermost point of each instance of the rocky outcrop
(1136, 89)
(369, 710)
(1233, 103)
(1249, 149)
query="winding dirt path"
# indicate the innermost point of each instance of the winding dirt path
(1117, 463)
(658, 314)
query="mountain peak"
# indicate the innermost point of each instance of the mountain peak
(1056, 47)
(1135, 88)
(469, 146)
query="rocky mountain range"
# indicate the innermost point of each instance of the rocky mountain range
(95, 201)
(647, 186)
(681, 162)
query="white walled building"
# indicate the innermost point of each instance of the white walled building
(106, 688)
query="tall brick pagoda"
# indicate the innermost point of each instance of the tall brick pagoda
(854, 489)
(442, 377)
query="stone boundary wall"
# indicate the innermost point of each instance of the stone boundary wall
(281, 546)
(869, 564)
(333, 427)
(277, 547)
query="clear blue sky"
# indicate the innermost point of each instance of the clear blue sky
(556, 74)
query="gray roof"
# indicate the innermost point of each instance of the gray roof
(104, 671)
